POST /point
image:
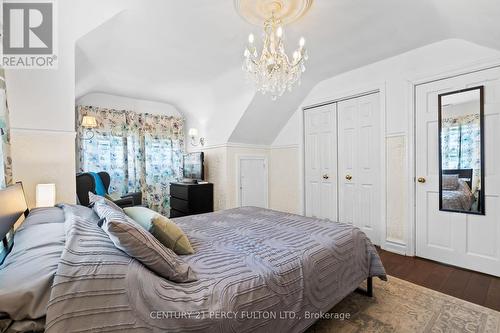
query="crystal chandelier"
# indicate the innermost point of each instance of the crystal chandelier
(271, 70)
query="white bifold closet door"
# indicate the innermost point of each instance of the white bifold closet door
(342, 163)
(465, 240)
(359, 161)
(320, 129)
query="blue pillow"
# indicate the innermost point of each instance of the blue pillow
(99, 186)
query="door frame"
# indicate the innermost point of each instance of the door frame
(238, 176)
(413, 83)
(380, 88)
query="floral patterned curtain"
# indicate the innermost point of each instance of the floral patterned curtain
(141, 152)
(461, 145)
(5, 157)
(461, 142)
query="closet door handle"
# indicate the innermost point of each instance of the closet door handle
(325, 176)
(348, 177)
(421, 180)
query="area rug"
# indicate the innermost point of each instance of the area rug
(400, 306)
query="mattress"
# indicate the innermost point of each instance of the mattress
(27, 274)
(459, 199)
(259, 271)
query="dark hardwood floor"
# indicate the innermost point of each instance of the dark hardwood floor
(471, 286)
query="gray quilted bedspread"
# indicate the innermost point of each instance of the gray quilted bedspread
(259, 271)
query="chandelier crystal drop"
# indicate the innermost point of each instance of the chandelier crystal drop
(272, 71)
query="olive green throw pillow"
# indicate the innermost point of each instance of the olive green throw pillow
(170, 235)
(141, 215)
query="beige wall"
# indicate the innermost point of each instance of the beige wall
(396, 179)
(44, 157)
(221, 168)
(284, 180)
(216, 173)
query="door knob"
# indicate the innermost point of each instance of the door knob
(325, 176)
(421, 179)
(348, 177)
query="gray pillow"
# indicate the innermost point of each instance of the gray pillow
(450, 182)
(93, 198)
(143, 246)
(27, 274)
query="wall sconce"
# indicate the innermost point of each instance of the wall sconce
(89, 122)
(45, 195)
(193, 133)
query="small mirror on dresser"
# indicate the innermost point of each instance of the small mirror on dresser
(461, 153)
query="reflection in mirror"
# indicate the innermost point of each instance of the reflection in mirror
(461, 185)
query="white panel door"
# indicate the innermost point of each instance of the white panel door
(320, 130)
(359, 163)
(253, 182)
(470, 241)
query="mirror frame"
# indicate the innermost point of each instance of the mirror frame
(481, 127)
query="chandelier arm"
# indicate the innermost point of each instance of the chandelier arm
(299, 61)
(253, 61)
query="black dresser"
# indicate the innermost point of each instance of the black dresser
(190, 199)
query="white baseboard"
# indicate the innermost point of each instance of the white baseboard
(394, 247)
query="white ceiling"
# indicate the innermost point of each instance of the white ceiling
(188, 53)
(461, 98)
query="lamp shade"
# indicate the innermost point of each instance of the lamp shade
(45, 195)
(193, 132)
(89, 122)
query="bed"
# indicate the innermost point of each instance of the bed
(258, 271)
(456, 189)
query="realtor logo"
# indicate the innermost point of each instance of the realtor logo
(28, 34)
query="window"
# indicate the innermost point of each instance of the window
(158, 158)
(461, 146)
(140, 151)
(106, 153)
(451, 153)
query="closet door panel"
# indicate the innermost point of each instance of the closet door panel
(347, 198)
(328, 190)
(312, 166)
(369, 167)
(320, 125)
(348, 133)
(366, 201)
(359, 163)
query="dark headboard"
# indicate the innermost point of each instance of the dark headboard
(465, 174)
(12, 207)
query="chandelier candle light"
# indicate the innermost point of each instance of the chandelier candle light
(271, 70)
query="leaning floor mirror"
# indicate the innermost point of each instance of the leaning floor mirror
(461, 153)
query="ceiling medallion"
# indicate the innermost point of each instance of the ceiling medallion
(271, 69)
(256, 12)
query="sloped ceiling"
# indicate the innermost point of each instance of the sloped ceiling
(188, 53)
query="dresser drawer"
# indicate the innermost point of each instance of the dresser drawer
(179, 204)
(175, 213)
(190, 198)
(178, 191)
